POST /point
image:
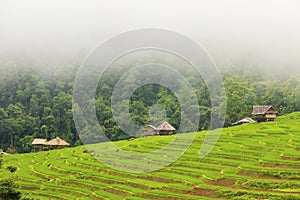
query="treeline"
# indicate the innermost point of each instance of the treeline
(33, 104)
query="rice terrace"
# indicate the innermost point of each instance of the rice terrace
(251, 161)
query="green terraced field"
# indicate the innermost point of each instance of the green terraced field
(252, 161)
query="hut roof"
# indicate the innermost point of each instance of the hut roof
(39, 141)
(245, 120)
(149, 127)
(165, 127)
(257, 110)
(57, 142)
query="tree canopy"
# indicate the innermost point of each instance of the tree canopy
(34, 105)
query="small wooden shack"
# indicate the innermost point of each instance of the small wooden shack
(243, 121)
(165, 129)
(149, 130)
(264, 113)
(38, 143)
(57, 143)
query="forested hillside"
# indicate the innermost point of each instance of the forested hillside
(35, 103)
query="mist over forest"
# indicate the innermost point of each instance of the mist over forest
(258, 36)
(255, 45)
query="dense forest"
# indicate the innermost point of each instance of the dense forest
(35, 103)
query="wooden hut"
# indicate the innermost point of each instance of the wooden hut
(38, 143)
(264, 113)
(165, 129)
(57, 143)
(243, 121)
(149, 130)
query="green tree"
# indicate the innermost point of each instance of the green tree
(8, 190)
(240, 98)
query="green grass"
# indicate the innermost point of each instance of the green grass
(252, 161)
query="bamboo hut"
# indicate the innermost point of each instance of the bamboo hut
(264, 113)
(57, 143)
(38, 143)
(165, 129)
(149, 130)
(243, 121)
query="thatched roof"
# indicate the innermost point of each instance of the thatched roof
(261, 110)
(247, 120)
(165, 127)
(149, 127)
(57, 142)
(40, 141)
(242, 121)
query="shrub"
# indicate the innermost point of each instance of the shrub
(12, 169)
(8, 190)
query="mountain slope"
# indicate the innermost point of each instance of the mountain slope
(259, 160)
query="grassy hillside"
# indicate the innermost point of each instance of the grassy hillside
(258, 161)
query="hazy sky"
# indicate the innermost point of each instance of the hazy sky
(253, 33)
